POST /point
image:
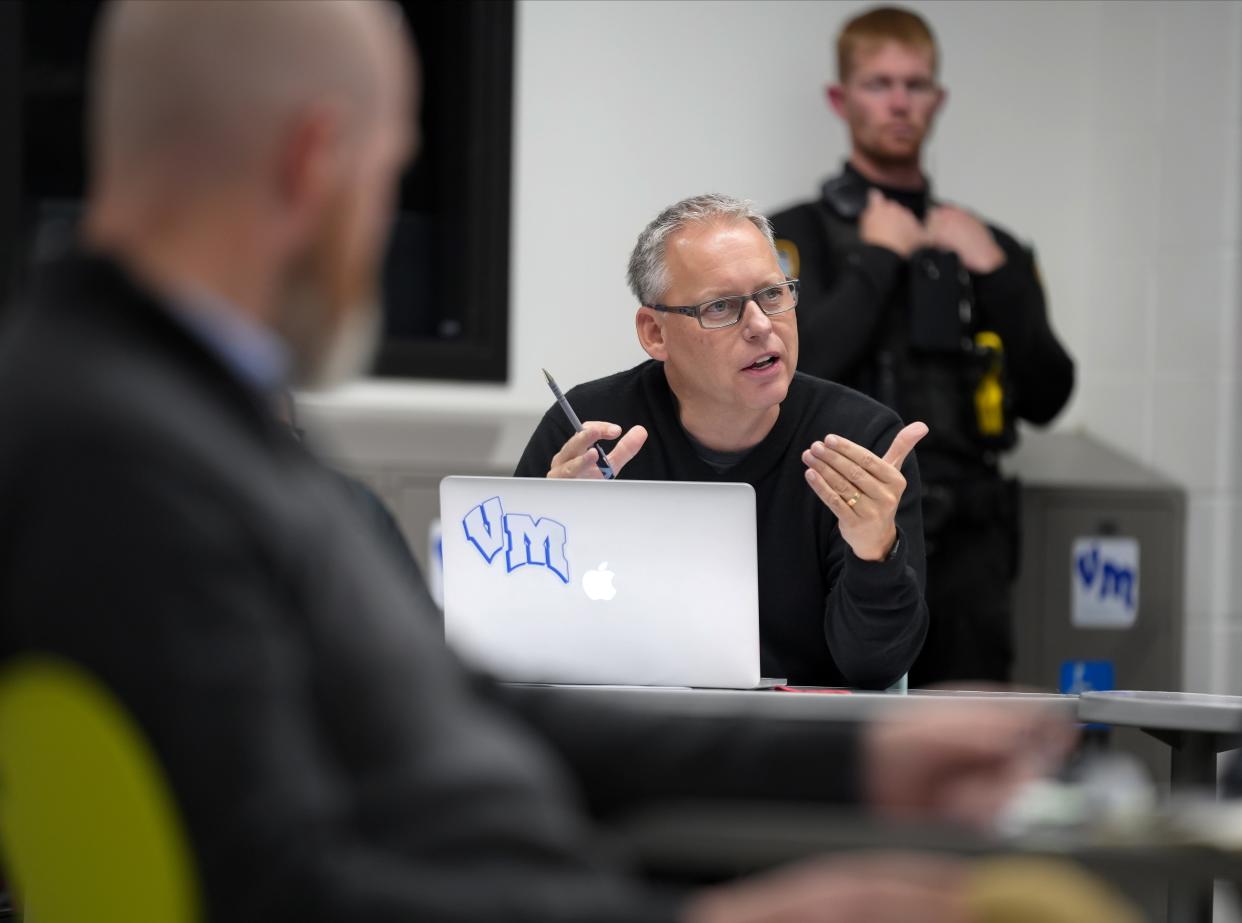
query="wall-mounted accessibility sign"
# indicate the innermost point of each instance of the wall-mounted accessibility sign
(1105, 582)
(1079, 676)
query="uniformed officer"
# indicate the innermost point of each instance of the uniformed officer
(937, 314)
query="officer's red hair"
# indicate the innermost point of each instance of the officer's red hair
(867, 32)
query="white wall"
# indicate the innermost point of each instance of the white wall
(1109, 134)
(623, 107)
(1162, 343)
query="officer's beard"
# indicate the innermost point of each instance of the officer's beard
(888, 159)
(894, 156)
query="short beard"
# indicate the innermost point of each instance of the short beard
(351, 352)
(890, 160)
(326, 355)
(900, 158)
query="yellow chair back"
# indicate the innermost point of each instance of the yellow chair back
(88, 828)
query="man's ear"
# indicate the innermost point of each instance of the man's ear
(650, 334)
(308, 164)
(942, 97)
(835, 94)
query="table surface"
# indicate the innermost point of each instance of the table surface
(1176, 711)
(1171, 711)
(837, 704)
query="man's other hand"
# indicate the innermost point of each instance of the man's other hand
(879, 888)
(578, 455)
(862, 490)
(951, 228)
(960, 762)
(886, 223)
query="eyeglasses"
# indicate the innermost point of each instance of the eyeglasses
(919, 87)
(725, 312)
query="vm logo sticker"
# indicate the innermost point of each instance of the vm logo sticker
(1104, 582)
(526, 541)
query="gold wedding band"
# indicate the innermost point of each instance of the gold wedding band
(852, 500)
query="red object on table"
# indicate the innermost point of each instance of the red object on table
(824, 690)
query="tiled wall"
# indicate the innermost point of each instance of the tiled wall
(1159, 367)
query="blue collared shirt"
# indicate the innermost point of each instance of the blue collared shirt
(253, 353)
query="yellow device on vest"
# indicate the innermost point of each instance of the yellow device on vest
(990, 394)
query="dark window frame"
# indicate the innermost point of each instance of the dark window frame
(473, 181)
(480, 227)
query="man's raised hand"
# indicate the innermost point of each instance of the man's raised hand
(862, 489)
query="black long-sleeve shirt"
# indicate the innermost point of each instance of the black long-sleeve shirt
(825, 616)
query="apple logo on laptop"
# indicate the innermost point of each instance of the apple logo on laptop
(597, 584)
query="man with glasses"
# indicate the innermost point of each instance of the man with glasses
(839, 527)
(936, 314)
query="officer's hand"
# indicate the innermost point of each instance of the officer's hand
(886, 223)
(861, 488)
(951, 228)
(576, 459)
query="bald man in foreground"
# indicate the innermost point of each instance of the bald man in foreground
(329, 758)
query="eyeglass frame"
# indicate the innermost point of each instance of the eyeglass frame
(694, 309)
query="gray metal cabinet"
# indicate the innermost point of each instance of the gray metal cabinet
(1075, 487)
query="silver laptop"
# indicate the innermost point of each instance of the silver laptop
(651, 583)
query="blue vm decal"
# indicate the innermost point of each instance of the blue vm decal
(1113, 579)
(525, 539)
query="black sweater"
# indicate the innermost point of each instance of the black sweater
(825, 616)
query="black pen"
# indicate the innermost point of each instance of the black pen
(602, 462)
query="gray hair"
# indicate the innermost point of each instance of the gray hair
(648, 272)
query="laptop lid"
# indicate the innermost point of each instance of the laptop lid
(625, 582)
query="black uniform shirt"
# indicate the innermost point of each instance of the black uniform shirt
(854, 322)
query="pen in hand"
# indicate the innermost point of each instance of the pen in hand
(602, 461)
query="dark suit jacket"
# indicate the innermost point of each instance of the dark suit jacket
(332, 761)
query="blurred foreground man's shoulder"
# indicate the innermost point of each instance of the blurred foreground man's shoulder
(161, 528)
